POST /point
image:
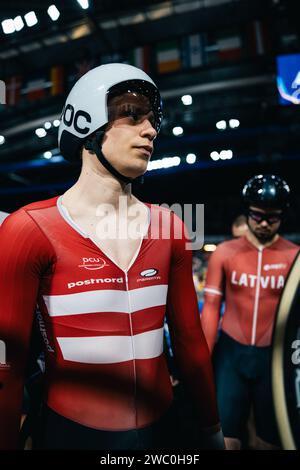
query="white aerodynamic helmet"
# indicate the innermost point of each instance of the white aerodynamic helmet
(86, 108)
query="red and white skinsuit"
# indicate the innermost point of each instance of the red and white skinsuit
(102, 326)
(251, 280)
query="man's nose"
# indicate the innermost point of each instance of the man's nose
(148, 129)
(264, 223)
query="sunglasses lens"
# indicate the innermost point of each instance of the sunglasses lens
(256, 216)
(273, 219)
(270, 218)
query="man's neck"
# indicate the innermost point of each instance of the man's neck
(94, 187)
(257, 243)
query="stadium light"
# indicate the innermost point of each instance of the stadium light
(40, 132)
(18, 23)
(234, 123)
(166, 162)
(187, 100)
(8, 26)
(31, 18)
(83, 3)
(214, 156)
(226, 154)
(191, 158)
(48, 155)
(209, 247)
(177, 131)
(53, 12)
(221, 125)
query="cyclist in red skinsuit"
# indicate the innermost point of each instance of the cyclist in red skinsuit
(102, 304)
(250, 273)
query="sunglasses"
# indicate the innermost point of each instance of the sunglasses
(133, 107)
(133, 113)
(270, 218)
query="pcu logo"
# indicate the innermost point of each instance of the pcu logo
(92, 263)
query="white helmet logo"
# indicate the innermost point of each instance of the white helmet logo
(71, 118)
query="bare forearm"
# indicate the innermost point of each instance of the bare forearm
(210, 322)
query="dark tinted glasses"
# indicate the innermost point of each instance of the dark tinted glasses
(270, 217)
(143, 90)
(132, 107)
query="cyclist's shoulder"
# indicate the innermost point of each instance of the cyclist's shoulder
(284, 243)
(287, 246)
(229, 247)
(20, 221)
(39, 205)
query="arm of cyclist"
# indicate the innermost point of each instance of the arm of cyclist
(20, 269)
(213, 294)
(190, 347)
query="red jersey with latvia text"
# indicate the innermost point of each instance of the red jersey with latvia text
(251, 280)
(102, 326)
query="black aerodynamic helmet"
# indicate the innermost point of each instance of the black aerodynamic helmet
(269, 191)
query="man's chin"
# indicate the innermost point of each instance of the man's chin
(140, 169)
(264, 237)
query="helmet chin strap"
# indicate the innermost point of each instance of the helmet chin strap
(95, 145)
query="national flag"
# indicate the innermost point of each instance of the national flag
(211, 49)
(140, 57)
(36, 88)
(229, 48)
(193, 50)
(57, 76)
(168, 57)
(13, 90)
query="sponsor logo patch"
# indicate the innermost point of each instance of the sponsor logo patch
(267, 267)
(87, 282)
(149, 272)
(91, 264)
